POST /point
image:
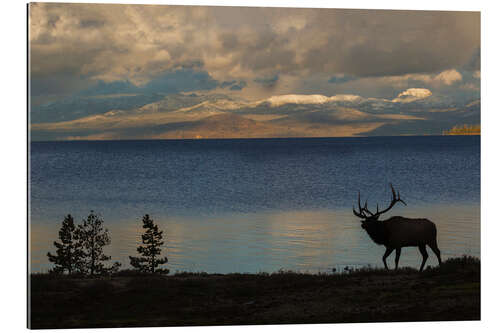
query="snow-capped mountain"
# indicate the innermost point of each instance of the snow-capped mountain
(421, 112)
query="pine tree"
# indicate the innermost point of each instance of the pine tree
(92, 237)
(150, 253)
(68, 254)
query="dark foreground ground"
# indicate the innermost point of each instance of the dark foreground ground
(450, 292)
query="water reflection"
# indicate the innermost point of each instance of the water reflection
(310, 241)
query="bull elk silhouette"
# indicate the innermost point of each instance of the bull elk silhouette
(398, 232)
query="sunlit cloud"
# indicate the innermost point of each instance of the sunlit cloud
(412, 94)
(449, 77)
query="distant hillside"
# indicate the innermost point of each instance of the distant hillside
(464, 130)
(221, 126)
(229, 125)
(181, 116)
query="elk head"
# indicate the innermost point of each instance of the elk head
(368, 218)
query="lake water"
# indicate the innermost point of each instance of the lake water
(251, 205)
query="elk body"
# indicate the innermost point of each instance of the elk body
(398, 232)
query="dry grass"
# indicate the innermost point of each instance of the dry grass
(449, 292)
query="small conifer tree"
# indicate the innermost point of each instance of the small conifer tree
(92, 237)
(68, 253)
(150, 250)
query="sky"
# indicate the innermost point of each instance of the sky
(96, 67)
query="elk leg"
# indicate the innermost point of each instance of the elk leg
(387, 253)
(398, 253)
(423, 251)
(436, 251)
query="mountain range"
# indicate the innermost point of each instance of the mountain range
(415, 111)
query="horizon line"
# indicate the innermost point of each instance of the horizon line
(261, 138)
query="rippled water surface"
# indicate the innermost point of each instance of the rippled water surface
(257, 205)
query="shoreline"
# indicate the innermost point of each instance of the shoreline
(449, 292)
(260, 138)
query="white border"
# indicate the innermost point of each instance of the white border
(13, 141)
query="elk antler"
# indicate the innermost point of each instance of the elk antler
(395, 199)
(361, 209)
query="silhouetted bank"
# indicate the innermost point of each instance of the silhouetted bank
(464, 130)
(449, 292)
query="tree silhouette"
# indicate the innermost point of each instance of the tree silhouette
(92, 237)
(68, 255)
(150, 253)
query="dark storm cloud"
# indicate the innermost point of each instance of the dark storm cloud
(229, 41)
(267, 81)
(233, 85)
(385, 43)
(109, 88)
(474, 63)
(358, 42)
(92, 23)
(57, 85)
(340, 79)
(239, 86)
(92, 42)
(226, 84)
(182, 80)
